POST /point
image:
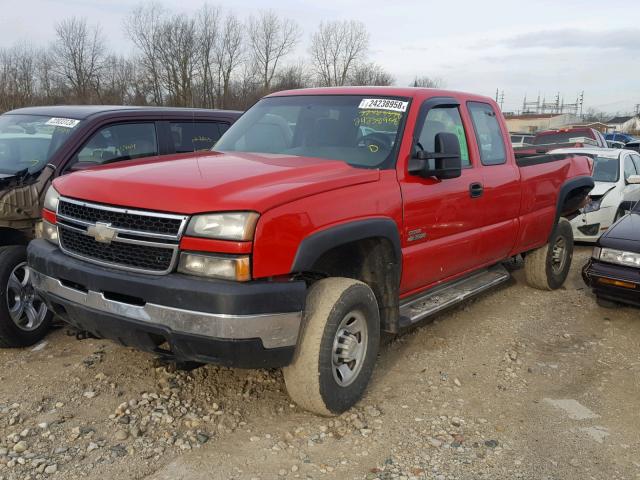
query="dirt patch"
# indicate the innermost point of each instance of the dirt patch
(462, 397)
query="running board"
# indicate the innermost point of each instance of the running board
(444, 296)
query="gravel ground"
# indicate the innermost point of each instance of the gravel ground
(516, 384)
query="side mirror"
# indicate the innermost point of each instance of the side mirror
(446, 160)
(633, 180)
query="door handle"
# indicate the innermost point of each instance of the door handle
(476, 190)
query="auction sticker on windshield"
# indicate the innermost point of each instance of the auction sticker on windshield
(383, 104)
(62, 122)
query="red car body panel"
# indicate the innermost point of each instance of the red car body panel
(297, 197)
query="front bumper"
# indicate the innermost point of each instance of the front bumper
(587, 227)
(599, 275)
(250, 325)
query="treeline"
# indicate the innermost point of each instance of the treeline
(210, 59)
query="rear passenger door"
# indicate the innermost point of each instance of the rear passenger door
(192, 136)
(631, 192)
(500, 202)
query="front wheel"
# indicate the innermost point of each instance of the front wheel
(24, 317)
(547, 267)
(338, 347)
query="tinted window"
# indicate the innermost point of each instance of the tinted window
(444, 120)
(114, 143)
(194, 136)
(629, 167)
(488, 134)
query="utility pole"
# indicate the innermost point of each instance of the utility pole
(501, 99)
(637, 108)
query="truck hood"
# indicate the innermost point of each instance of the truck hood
(211, 181)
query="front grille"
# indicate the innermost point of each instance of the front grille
(143, 257)
(120, 218)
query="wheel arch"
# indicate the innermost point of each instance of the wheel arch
(571, 196)
(11, 236)
(367, 250)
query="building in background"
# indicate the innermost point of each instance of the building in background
(626, 124)
(534, 122)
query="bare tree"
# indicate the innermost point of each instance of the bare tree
(292, 76)
(370, 74)
(427, 82)
(18, 76)
(229, 55)
(208, 25)
(78, 56)
(270, 39)
(336, 48)
(142, 27)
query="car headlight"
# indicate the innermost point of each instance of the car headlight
(619, 257)
(238, 226)
(593, 205)
(214, 266)
(51, 199)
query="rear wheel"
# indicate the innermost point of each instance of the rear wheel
(24, 318)
(547, 267)
(337, 349)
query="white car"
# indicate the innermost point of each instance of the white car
(617, 189)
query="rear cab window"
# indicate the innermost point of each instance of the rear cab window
(195, 136)
(488, 133)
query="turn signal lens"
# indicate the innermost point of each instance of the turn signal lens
(228, 268)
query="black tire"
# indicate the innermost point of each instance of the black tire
(11, 335)
(544, 268)
(604, 303)
(313, 380)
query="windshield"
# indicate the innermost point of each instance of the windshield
(606, 169)
(562, 137)
(27, 142)
(360, 130)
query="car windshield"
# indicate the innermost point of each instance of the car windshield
(360, 130)
(27, 142)
(606, 169)
(562, 137)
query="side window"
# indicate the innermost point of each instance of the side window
(444, 120)
(488, 133)
(636, 161)
(629, 167)
(114, 143)
(194, 136)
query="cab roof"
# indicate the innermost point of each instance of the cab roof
(82, 112)
(410, 92)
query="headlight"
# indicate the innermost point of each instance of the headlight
(229, 268)
(609, 255)
(51, 199)
(238, 226)
(593, 205)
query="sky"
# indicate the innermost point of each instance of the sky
(539, 47)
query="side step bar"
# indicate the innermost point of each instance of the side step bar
(444, 296)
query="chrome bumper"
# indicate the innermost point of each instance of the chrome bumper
(274, 329)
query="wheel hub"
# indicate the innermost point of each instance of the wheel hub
(26, 309)
(349, 348)
(558, 255)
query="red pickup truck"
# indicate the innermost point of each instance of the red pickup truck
(322, 218)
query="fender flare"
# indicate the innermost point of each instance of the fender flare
(583, 182)
(317, 244)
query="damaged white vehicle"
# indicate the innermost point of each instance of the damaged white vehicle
(617, 189)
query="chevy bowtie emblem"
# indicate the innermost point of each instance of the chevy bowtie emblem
(102, 232)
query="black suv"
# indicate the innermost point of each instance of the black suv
(37, 144)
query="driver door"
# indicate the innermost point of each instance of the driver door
(442, 218)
